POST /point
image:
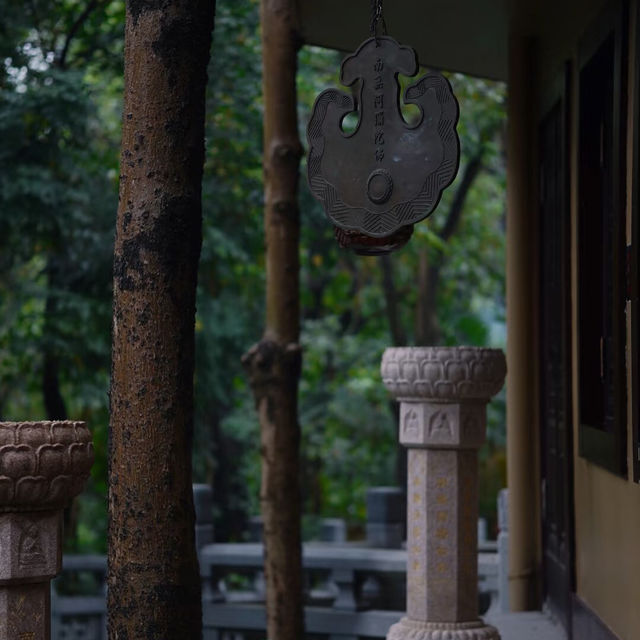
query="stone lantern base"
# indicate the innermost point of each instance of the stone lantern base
(408, 629)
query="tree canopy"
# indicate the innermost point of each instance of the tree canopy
(60, 108)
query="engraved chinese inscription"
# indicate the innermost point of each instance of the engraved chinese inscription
(378, 105)
(441, 557)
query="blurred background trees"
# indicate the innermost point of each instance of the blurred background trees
(60, 109)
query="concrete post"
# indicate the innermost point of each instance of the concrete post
(443, 394)
(43, 465)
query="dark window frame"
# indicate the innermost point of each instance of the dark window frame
(603, 441)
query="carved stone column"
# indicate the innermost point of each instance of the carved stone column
(443, 394)
(43, 465)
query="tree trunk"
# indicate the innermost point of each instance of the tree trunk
(154, 584)
(273, 364)
(54, 405)
(55, 408)
(398, 339)
(398, 335)
(428, 331)
(229, 490)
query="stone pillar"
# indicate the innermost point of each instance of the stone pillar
(443, 394)
(43, 465)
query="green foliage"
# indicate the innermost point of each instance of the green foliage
(60, 112)
(56, 227)
(58, 194)
(231, 279)
(348, 432)
(348, 427)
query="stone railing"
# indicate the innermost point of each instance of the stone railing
(432, 592)
(353, 591)
(79, 599)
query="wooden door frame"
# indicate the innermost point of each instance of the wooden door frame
(560, 96)
(634, 260)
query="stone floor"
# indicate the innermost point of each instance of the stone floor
(530, 625)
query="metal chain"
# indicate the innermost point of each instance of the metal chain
(377, 18)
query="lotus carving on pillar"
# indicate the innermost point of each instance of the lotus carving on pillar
(443, 373)
(43, 465)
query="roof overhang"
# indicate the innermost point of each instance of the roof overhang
(469, 36)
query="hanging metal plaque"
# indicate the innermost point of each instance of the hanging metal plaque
(386, 175)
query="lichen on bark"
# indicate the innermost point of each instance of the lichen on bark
(154, 583)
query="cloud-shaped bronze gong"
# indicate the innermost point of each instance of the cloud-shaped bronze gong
(388, 174)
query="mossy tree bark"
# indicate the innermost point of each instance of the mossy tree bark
(273, 364)
(154, 584)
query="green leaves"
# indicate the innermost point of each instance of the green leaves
(58, 161)
(59, 137)
(348, 432)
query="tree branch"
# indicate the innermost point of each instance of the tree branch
(75, 27)
(427, 327)
(471, 171)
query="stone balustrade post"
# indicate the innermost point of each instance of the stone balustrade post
(43, 465)
(386, 517)
(503, 551)
(203, 504)
(443, 394)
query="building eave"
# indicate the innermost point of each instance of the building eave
(468, 36)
